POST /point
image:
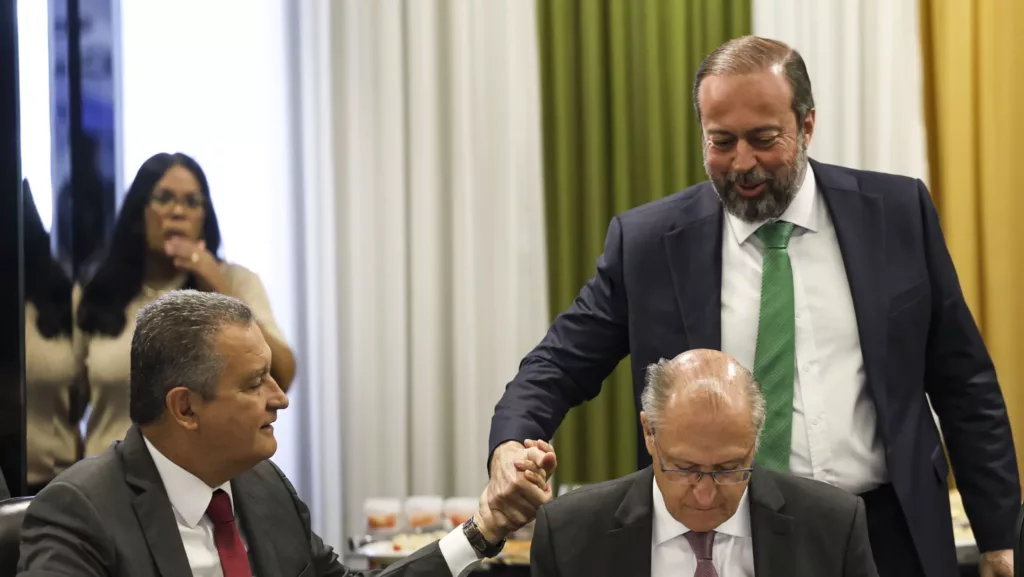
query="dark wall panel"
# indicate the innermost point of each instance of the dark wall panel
(12, 358)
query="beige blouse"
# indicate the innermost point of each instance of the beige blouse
(107, 362)
(52, 442)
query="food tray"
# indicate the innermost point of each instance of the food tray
(382, 553)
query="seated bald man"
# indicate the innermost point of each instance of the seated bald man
(703, 508)
(191, 489)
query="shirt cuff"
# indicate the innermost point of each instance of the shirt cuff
(460, 556)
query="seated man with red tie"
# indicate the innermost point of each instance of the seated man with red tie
(703, 508)
(191, 489)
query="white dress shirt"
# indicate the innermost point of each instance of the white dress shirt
(834, 434)
(672, 556)
(190, 497)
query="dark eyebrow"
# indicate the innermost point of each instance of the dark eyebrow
(259, 373)
(766, 128)
(164, 190)
(726, 465)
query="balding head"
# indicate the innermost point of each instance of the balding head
(750, 54)
(711, 378)
(702, 411)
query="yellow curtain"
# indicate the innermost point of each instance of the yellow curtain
(973, 53)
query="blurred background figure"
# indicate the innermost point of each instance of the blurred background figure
(166, 238)
(52, 436)
(85, 212)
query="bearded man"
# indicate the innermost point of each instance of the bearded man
(834, 285)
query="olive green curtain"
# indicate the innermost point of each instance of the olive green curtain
(619, 130)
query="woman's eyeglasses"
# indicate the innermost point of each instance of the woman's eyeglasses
(166, 199)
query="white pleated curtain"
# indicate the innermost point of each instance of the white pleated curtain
(425, 238)
(864, 59)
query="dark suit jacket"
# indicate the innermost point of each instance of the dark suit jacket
(799, 528)
(110, 516)
(657, 293)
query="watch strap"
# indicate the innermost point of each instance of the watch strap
(480, 544)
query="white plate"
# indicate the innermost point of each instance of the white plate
(382, 551)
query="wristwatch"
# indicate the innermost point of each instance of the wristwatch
(482, 546)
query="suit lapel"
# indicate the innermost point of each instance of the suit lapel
(694, 249)
(153, 507)
(859, 220)
(251, 503)
(771, 531)
(628, 550)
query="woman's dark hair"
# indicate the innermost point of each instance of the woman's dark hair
(120, 275)
(47, 286)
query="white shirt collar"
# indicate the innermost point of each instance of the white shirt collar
(666, 527)
(188, 494)
(800, 212)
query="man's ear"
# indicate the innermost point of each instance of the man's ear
(648, 433)
(808, 128)
(180, 405)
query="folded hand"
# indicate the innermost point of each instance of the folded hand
(518, 487)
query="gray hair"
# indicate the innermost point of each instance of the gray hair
(749, 54)
(174, 346)
(701, 372)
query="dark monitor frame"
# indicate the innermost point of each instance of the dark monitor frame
(12, 266)
(86, 143)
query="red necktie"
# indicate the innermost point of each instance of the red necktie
(702, 545)
(233, 559)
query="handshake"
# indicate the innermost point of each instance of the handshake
(517, 489)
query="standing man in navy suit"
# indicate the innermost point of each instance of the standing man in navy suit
(834, 285)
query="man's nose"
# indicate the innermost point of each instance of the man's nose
(744, 159)
(278, 399)
(705, 491)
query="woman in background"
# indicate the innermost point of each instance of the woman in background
(51, 424)
(166, 237)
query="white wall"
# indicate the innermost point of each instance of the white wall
(211, 79)
(34, 102)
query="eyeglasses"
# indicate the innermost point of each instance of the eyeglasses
(693, 476)
(166, 199)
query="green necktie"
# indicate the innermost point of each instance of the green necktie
(775, 359)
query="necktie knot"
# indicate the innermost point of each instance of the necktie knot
(233, 559)
(219, 511)
(775, 234)
(702, 543)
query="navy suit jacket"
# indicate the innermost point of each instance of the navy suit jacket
(657, 293)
